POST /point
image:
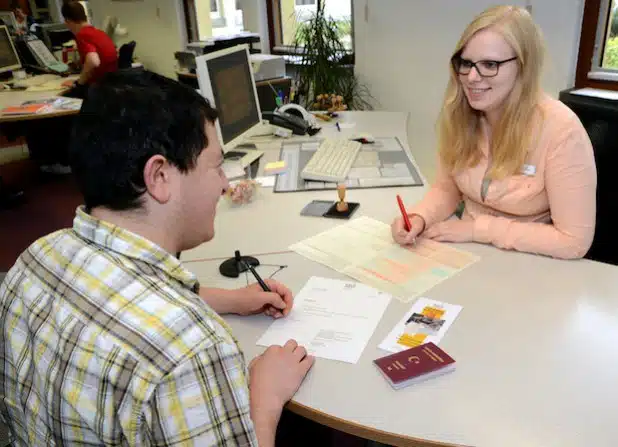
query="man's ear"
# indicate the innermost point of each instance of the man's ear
(158, 177)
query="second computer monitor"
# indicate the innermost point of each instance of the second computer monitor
(8, 56)
(8, 18)
(226, 79)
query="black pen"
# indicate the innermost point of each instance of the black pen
(338, 127)
(263, 285)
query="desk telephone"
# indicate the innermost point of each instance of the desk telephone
(36, 56)
(293, 117)
(297, 125)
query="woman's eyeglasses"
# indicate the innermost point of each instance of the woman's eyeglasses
(485, 68)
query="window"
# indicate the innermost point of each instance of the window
(610, 52)
(597, 63)
(216, 14)
(286, 16)
(213, 18)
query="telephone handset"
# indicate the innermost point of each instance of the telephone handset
(297, 125)
(293, 117)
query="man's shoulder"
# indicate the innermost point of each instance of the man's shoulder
(92, 32)
(128, 302)
(45, 258)
(65, 240)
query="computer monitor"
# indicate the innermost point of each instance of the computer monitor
(225, 78)
(8, 19)
(9, 60)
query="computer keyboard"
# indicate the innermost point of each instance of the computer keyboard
(332, 161)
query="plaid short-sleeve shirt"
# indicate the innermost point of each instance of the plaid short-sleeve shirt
(106, 342)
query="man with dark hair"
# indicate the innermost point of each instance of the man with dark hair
(96, 49)
(107, 338)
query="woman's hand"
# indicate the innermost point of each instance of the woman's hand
(453, 230)
(403, 237)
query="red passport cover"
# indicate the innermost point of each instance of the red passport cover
(414, 362)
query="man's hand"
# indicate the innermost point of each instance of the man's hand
(453, 230)
(274, 377)
(251, 300)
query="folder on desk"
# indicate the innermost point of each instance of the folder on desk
(25, 109)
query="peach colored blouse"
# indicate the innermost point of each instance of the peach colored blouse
(549, 208)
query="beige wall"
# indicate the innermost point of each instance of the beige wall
(156, 25)
(203, 18)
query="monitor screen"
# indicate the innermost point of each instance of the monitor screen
(8, 56)
(233, 91)
(8, 19)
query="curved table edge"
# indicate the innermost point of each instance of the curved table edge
(34, 116)
(362, 431)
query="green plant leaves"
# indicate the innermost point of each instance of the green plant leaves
(324, 65)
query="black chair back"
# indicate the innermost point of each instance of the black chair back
(125, 55)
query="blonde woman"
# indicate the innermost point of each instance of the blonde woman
(521, 161)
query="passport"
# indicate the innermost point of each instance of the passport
(414, 365)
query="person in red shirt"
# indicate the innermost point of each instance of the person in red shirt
(98, 57)
(96, 49)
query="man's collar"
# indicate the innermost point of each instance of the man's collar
(114, 238)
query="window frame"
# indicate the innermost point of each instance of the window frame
(275, 31)
(190, 19)
(591, 48)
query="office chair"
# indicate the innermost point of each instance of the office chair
(604, 140)
(598, 116)
(125, 55)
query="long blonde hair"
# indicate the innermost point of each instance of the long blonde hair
(459, 125)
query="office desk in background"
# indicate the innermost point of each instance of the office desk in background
(17, 97)
(534, 343)
(38, 129)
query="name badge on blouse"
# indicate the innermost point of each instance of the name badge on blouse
(528, 170)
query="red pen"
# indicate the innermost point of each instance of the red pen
(406, 219)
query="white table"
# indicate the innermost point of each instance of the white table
(535, 343)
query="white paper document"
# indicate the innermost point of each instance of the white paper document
(332, 319)
(363, 249)
(426, 321)
(267, 181)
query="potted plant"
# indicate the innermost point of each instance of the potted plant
(325, 66)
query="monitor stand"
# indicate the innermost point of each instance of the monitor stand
(246, 152)
(235, 154)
